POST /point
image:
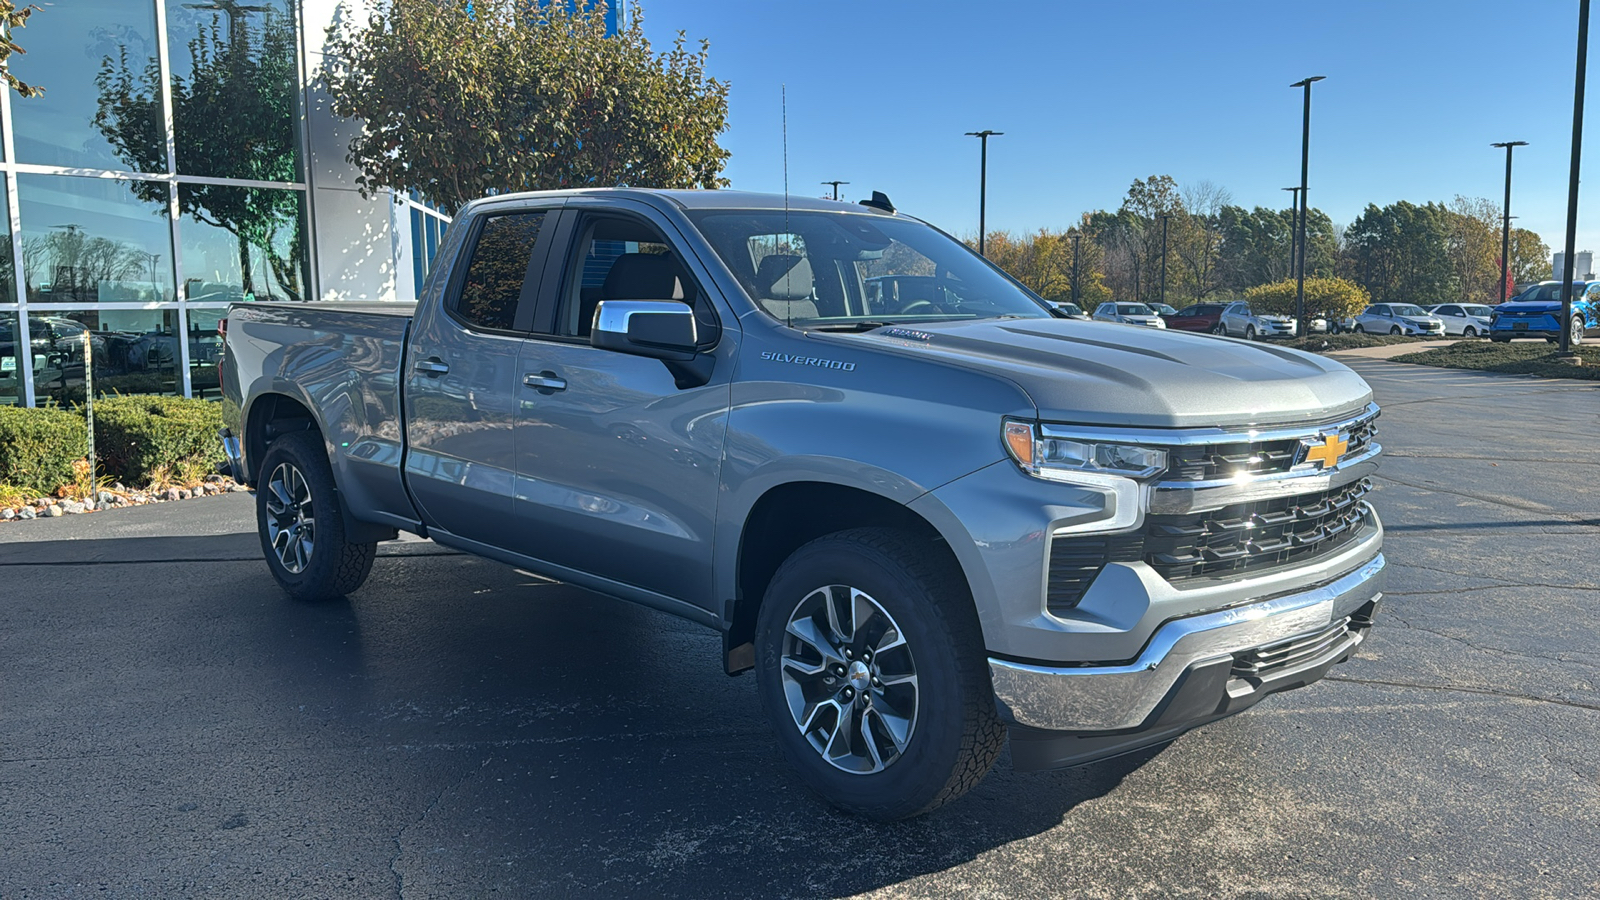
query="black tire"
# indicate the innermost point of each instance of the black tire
(954, 736)
(1249, 332)
(1395, 330)
(1219, 329)
(1469, 332)
(332, 566)
(1360, 329)
(1577, 331)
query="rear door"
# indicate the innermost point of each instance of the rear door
(462, 383)
(617, 464)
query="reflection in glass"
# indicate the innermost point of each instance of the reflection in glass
(8, 265)
(205, 350)
(242, 243)
(11, 361)
(75, 50)
(235, 107)
(94, 239)
(135, 352)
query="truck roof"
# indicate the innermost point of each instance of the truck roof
(700, 199)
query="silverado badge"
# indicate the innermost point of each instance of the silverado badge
(1325, 449)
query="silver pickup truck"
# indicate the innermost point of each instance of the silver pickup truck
(927, 511)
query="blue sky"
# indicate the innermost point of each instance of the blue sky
(1092, 95)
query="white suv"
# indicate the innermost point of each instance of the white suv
(1128, 314)
(1465, 319)
(1239, 321)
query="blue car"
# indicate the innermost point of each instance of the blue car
(1536, 312)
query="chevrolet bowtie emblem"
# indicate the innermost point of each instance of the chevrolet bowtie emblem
(1328, 452)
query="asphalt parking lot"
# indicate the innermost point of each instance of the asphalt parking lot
(172, 726)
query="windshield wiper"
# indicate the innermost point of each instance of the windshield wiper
(851, 327)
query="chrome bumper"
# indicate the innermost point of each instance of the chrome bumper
(1109, 698)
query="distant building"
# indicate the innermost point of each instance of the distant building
(1583, 269)
(140, 219)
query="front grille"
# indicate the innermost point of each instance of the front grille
(1250, 538)
(1209, 462)
(1243, 539)
(1264, 662)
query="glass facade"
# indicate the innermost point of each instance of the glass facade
(159, 178)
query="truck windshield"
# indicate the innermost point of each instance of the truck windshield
(813, 269)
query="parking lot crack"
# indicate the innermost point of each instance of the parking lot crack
(1457, 689)
(1496, 651)
(1507, 502)
(399, 836)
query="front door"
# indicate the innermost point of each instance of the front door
(617, 466)
(462, 385)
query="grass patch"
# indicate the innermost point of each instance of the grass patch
(1333, 343)
(1509, 359)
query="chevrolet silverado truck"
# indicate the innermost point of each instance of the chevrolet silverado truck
(928, 518)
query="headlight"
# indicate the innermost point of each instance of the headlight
(1161, 323)
(1049, 455)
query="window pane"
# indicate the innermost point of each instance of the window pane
(8, 273)
(419, 263)
(94, 239)
(205, 348)
(91, 55)
(235, 109)
(495, 275)
(10, 361)
(242, 243)
(135, 352)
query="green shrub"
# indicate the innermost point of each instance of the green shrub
(38, 447)
(136, 436)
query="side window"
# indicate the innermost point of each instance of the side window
(1105, 309)
(624, 259)
(497, 275)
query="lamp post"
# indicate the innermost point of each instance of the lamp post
(1164, 217)
(983, 179)
(836, 187)
(1568, 263)
(1300, 228)
(1505, 228)
(1294, 227)
(1076, 236)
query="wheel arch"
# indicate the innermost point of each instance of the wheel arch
(786, 517)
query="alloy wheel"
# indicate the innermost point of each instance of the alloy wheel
(849, 678)
(291, 521)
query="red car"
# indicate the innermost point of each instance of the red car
(1205, 317)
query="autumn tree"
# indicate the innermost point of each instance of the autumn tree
(1398, 252)
(1335, 297)
(12, 18)
(464, 98)
(1530, 258)
(1472, 243)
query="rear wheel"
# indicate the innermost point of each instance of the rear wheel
(301, 525)
(872, 671)
(1577, 330)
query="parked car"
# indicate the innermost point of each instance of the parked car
(1203, 317)
(1397, 318)
(918, 528)
(1161, 309)
(1070, 310)
(1536, 312)
(1128, 314)
(1238, 320)
(1466, 319)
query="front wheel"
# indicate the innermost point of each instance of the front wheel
(1219, 329)
(1470, 332)
(1360, 329)
(1249, 332)
(872, 672)
(301, 526)
(1395, 330)
(1577, 331)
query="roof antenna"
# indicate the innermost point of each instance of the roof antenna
(783, 106)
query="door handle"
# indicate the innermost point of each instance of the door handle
(545, 381)
(432, 367)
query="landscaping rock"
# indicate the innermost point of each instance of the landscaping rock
(105, 497)
(73, 508)
(236, 488)
(27, 513)
(7, 514)
(53, 511)
(104, 505)
(214, 479)
(171, 494)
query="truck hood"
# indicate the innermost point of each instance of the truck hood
(1096, 373)
(1533, 307)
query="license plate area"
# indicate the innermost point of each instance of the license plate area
(1519, 326)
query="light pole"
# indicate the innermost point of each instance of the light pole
(1164, 217)
(1300, 229)
(983, 178)
(836, 187)
(1076, 236)
(1294, 228)
(1505, 228)
(1568, 263)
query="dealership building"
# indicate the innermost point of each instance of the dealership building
(181, 158)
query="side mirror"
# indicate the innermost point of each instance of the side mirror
(659, 329)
